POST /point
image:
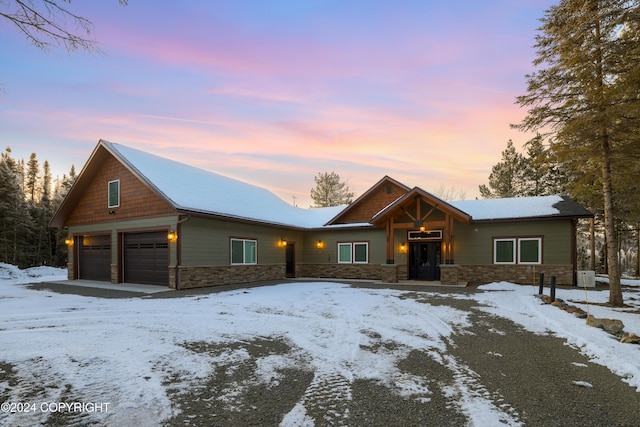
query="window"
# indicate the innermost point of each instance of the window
(425, 235)
(357, 253)
(530, 250)
(504, 251)
(344, 252)
(361, 252)
(114, 193)
(243, 251)
(521, 250)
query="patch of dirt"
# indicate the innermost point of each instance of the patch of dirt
(236, 393)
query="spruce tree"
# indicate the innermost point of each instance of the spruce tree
(507, 176)
(32, 179)
(330, 191)
(15, 220)
(61, 189)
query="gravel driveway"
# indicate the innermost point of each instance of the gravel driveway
(534, 379)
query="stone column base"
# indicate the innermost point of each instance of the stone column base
(389, 273)
(449, 274)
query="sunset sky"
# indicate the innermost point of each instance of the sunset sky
(274, 92)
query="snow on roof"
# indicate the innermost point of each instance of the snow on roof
(514, 207)
(194, 189)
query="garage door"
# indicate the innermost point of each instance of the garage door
(146, 258)
(94, 254)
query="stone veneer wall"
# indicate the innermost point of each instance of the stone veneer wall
(449, 274)
(114, 273)
(70, 271)
(200, 277)
(524, 274)
(340, 271)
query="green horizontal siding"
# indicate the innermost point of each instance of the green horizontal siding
(330, 238)
(206, 242)
(473, 243)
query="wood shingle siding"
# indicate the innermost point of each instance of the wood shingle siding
(136, 199)
(369, 205)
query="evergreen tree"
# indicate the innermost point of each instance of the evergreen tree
(507, 177)
(32, 178)
(62, 188)
(44, 213)
(330, 190)
(15, 220)
(585, 94)
(543, 174)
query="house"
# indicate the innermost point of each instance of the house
(134, 217)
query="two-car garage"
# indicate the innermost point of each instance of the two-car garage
(145, 257)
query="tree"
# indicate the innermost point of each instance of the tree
(543, 174)
(507, 176)
(32, 178)
(449, 194)
(46, 23)
(330, 191)
(584, 95)
(62, 187)
(15, 220)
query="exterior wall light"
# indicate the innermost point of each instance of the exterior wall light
(68, 242)
(282, 243)
(403, 248)
(319, 244)
(172, 236)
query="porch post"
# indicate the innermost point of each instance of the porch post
(390, 242)
(448, 258)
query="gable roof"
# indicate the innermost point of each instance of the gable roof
(190, 189)
(410, 197)
(366, 199)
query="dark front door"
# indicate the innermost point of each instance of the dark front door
(424, 261)
(291, 260)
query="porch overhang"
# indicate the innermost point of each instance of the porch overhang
(417, 210)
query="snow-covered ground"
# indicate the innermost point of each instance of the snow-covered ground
(117, 351)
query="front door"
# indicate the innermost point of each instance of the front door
(291, 260)
(424, 261)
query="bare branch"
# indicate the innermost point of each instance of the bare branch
(47, 23)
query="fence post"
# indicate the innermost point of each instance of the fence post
(541, 287)
(552, 293)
